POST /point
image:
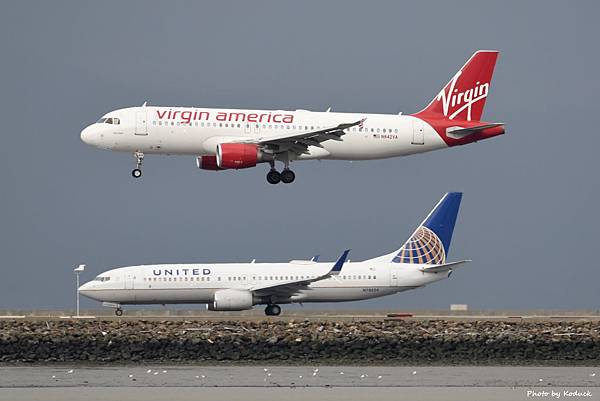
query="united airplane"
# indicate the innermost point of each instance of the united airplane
(240, 286)
(229, 139)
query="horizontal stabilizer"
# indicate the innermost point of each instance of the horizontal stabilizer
(444, 267)
(459, 132)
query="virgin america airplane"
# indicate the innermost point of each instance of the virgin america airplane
(226, 139)
(240, 286)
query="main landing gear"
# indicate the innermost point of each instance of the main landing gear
(119, 312)
(287, 176)
(272, 310)
(137, 171)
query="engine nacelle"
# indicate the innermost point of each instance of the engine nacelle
(207, 162)
(237, 155)
(232, 300)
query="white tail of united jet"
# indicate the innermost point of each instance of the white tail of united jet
(421, 260)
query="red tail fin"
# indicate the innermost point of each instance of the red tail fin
(464, 96)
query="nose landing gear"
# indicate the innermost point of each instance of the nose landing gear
(272, 310)
(137, 171)
(119, 312)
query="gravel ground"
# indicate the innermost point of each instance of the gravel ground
(432, 342)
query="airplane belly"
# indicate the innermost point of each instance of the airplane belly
(342, 294)
(172, 296)
(379, 146)
(159, 143)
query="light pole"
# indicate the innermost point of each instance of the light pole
(78, 270)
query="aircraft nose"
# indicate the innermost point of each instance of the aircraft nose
(87, 135)
(85, 289)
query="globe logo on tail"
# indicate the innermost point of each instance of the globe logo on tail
(423, 247)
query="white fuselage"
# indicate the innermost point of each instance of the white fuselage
(198, 131)
(197, 283)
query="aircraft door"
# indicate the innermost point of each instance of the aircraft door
(141, 125)
(129, 281)
(393, 277)
(418, 133)
(252, 280)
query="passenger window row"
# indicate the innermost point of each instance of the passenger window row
(203, 278)
(265, 126)
(359, 277)
(243, 278)
(383, 130)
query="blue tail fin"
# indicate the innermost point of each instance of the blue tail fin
(430, 242)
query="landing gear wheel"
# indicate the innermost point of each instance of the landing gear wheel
(272, 310)
(287, 176)
(139, 159)
(273, 177)
(119, 312)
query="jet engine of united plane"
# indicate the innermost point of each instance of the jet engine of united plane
(232, 300)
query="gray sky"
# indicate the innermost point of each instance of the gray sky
(529, 216)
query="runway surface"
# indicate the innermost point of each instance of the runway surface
(297, 376)
(249, 383)
(297, 394)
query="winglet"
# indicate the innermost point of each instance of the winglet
(340, 262)
(315, 258)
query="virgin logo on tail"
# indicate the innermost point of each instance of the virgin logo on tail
(464, 96)
(452, 98)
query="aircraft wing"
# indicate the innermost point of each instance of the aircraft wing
(291, 287)
(299, 142)
(442, 268)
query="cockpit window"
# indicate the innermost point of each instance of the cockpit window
(109, 120)
(102, 278)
